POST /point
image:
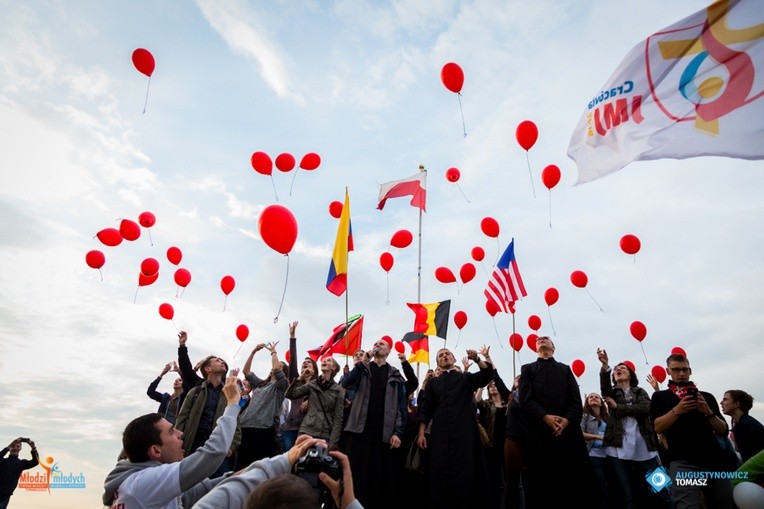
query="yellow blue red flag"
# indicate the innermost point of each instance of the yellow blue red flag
(337, 281)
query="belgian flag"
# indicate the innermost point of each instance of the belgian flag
(431, 319)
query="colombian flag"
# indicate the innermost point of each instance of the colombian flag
(337, 281)
(431, 319)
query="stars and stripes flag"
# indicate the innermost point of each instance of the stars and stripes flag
(505, 285)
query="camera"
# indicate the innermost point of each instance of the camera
(22, 439)
(315, 461)
(692, 392)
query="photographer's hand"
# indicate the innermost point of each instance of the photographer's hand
(301, 446)
(341, 490)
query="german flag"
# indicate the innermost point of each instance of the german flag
(420, 347)
(431, 319)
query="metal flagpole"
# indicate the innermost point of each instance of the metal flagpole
(347, 263)
(419, 267)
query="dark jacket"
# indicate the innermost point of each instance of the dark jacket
(395, 401)
(164, 398)
(325, 406)
(191, 414)
(639, 409)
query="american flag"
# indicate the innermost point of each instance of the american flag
(505, 285)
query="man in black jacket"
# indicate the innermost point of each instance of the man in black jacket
(12, 466)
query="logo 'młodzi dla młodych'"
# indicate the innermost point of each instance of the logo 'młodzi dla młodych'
(51, 477)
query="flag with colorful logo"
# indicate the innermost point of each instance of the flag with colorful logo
(338, 343)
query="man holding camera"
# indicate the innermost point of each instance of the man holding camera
(12, 466)
(692, 425)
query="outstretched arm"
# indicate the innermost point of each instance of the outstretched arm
(247, 369)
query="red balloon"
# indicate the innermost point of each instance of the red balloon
(335, 209)
(678, 350)
(166, 311)
(452, 175)
(551, 295)
(638, 330)
(400, 347)
(174, 255)
(578, 367)
(261, 163)
(182, 277)
(550, 176)
(478, 253)
(288, 356)
(386, 261)
(444, 275)
(490, 227)
(531, 339)
(278, 228)
(147, 219)
(526, 134)
(149, 266)
(460, 319)
(227, 284)
(516, 341)
(310, 161)
(491, 307)
(467, 272)
(95, 259)
(242, 332)
(285, 162)
(534, 322)
(143, 60)
(129, 230)
(110, 237)
(659, 373)
(579, 278)
(631, 365)
(630, 244)
(401, 239)
(452, 77)
(144, 280)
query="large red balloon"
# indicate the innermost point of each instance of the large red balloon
(174, 255)
(261, 163)
(491, 307)
(147, 219)
(242, 332)
(467, 272)
(166, 311)
(534, 322)
(278, 228)
(227, 284)
(550, 176)
(386, 261)
(444, 275)
(310, 161)
(490, 226)
(659, 373)
(95, 259)
(401, 239)
(630, 244)
(129, 230)
(149, 266)
(678, 350)
(526, 134)
(182, 277)
(551, 295)
(516, 341)
(144, 280)
(109, 237)
(578, 367)
(460, 319)
(453, 175)
(531, 340)
(285, 162)
(579, 278)
(143, 60)
(452, 77)
(478, 253)
(400, 347)
(638, 330)
(335, 209)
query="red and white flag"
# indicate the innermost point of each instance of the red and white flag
(414, 186)
(689, 90)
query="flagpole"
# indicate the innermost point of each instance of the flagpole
(514, 368)
(419, 268)
(347, 315)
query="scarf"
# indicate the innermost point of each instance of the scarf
(680, 388)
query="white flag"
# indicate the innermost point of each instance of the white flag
(689, 90)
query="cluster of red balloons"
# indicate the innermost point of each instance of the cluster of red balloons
(284, 162)
(111, 237)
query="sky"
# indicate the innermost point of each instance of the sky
(358, 83)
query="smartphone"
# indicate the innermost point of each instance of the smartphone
(692, 392)
(24, 440)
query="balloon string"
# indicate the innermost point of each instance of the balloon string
(635, 260)
(497, 332)
(136, 293)
(239, 350)
(275, 320)
(464, 128)
(273, 182)
(100, 272)
(225, 301)
(590, 295)
(527, 159)
(550, 319)
(388, 289)
(173, 324)
(147, 96)
(643, 353)
(465, 196)
(457, 339)
(484, 269)
(458, 288)
(294, 177)
(150, 239)
(498, 250)
(550, 208)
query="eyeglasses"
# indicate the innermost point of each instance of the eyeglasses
(680, 370)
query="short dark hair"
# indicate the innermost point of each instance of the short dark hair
(285, 491)
(139, 435)
(633, 380)
(677, 357)
(742, 397)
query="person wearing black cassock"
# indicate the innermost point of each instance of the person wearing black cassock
(458, 476)
(557, 456)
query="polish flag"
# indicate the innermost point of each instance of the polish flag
(414, 186)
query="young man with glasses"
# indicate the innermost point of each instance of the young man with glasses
(692, 424)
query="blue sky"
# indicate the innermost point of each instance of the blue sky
(359, 84)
